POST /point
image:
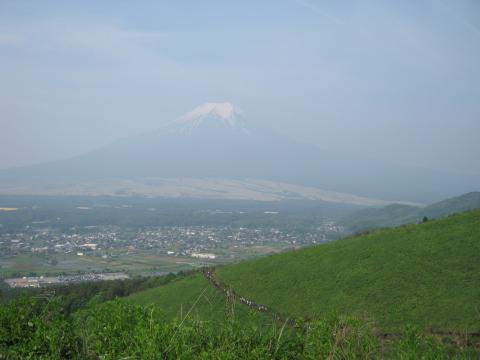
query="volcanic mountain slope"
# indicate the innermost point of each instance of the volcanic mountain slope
(215, 141)
(191, 188)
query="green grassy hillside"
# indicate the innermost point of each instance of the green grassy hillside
(397, 214)
(427, 274)
(193, 295)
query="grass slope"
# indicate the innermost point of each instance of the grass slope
(427, 274)
(195, 294)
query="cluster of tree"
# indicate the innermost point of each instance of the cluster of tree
(76, 296)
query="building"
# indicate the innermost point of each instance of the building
(203, 256)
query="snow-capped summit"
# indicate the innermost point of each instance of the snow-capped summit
(212, 115)
(224, 111)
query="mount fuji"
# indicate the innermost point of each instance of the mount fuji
(213, 151)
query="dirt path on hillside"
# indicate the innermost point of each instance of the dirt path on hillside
(231, 295)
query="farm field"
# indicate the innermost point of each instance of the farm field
(138, 264)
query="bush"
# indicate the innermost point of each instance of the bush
(40, 329)
(33, 329)
(340, 338)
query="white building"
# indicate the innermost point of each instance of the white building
(203, 256)
(89, 246)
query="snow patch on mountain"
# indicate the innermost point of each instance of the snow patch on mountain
(211, 114)
(224, 111)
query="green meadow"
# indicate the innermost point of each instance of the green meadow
(427, 275)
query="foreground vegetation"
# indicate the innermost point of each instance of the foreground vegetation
(41, 329)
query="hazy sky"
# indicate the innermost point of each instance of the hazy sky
(392, 80)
